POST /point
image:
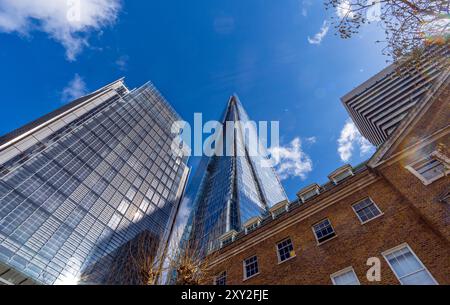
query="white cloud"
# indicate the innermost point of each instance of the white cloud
(67, 21)
(292, 160)
(304, 12)
(311, 140)
(344, 10)
(306, 4)
(75, 88)
(224, 24)
(122, 62)
(351, 138)
(317, 39)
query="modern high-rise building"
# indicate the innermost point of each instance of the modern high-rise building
(234, 189)
(83, 181)
(379, 105)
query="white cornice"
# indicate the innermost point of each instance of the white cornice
(298, 216)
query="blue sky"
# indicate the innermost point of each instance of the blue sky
(198, 53)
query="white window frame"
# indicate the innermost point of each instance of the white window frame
(398, 248)
(315, 235)
(369, 220)
(342, 175)
(278, 212)
(343, 271)
(245, 270)
(278, 252)
(218, 275)
(311, 190)
(252, 227)
(227, 238)
(310, 194)
(226, 241)
(436, 155)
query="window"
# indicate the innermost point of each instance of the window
(309, 194)
(251, 267)
(123, 206)
(278, 212)
(346, 276)
(114, 221)
(338, 178)
(323, 231)
(144, 204)
(430, 168)
(138, 216)
(227, 241)
(366, 210)
(251, 227)
(407, 267)
(130, 194)
(341, 173)
(227, 238)
(285, 250)
(221, 279)
(279, 208)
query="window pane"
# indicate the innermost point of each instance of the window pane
(348, 278)
(419, 278)
(323, 231)
(285, 250)
(408, 268)
(221, 279)
(404, 263)
(251, 266)
(366, 210)
(430, 168)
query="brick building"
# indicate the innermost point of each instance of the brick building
(393, 210)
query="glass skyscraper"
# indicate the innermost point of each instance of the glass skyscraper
(79, 183)
(234, 188)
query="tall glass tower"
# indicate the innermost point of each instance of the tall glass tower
(234, 188)
(83, 181)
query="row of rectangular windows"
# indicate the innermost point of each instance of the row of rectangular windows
(81, 201)
(406, 266)
(89, 232)
(365, 210)
(93, 113)
(93, 140)
(72, 129)
(60, 179)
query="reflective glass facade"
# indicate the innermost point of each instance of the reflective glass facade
(233, 189)
(76, 196)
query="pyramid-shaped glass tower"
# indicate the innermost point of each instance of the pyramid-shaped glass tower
(233, 188)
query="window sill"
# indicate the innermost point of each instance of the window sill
(250, 277)
(324, 242)
(425, 181)
(286, 260)
(367, 221)
(430, 181)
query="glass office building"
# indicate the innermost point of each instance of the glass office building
(79, 183)
(235, 187)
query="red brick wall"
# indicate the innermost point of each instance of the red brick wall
(354, 243)
(424, 197)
